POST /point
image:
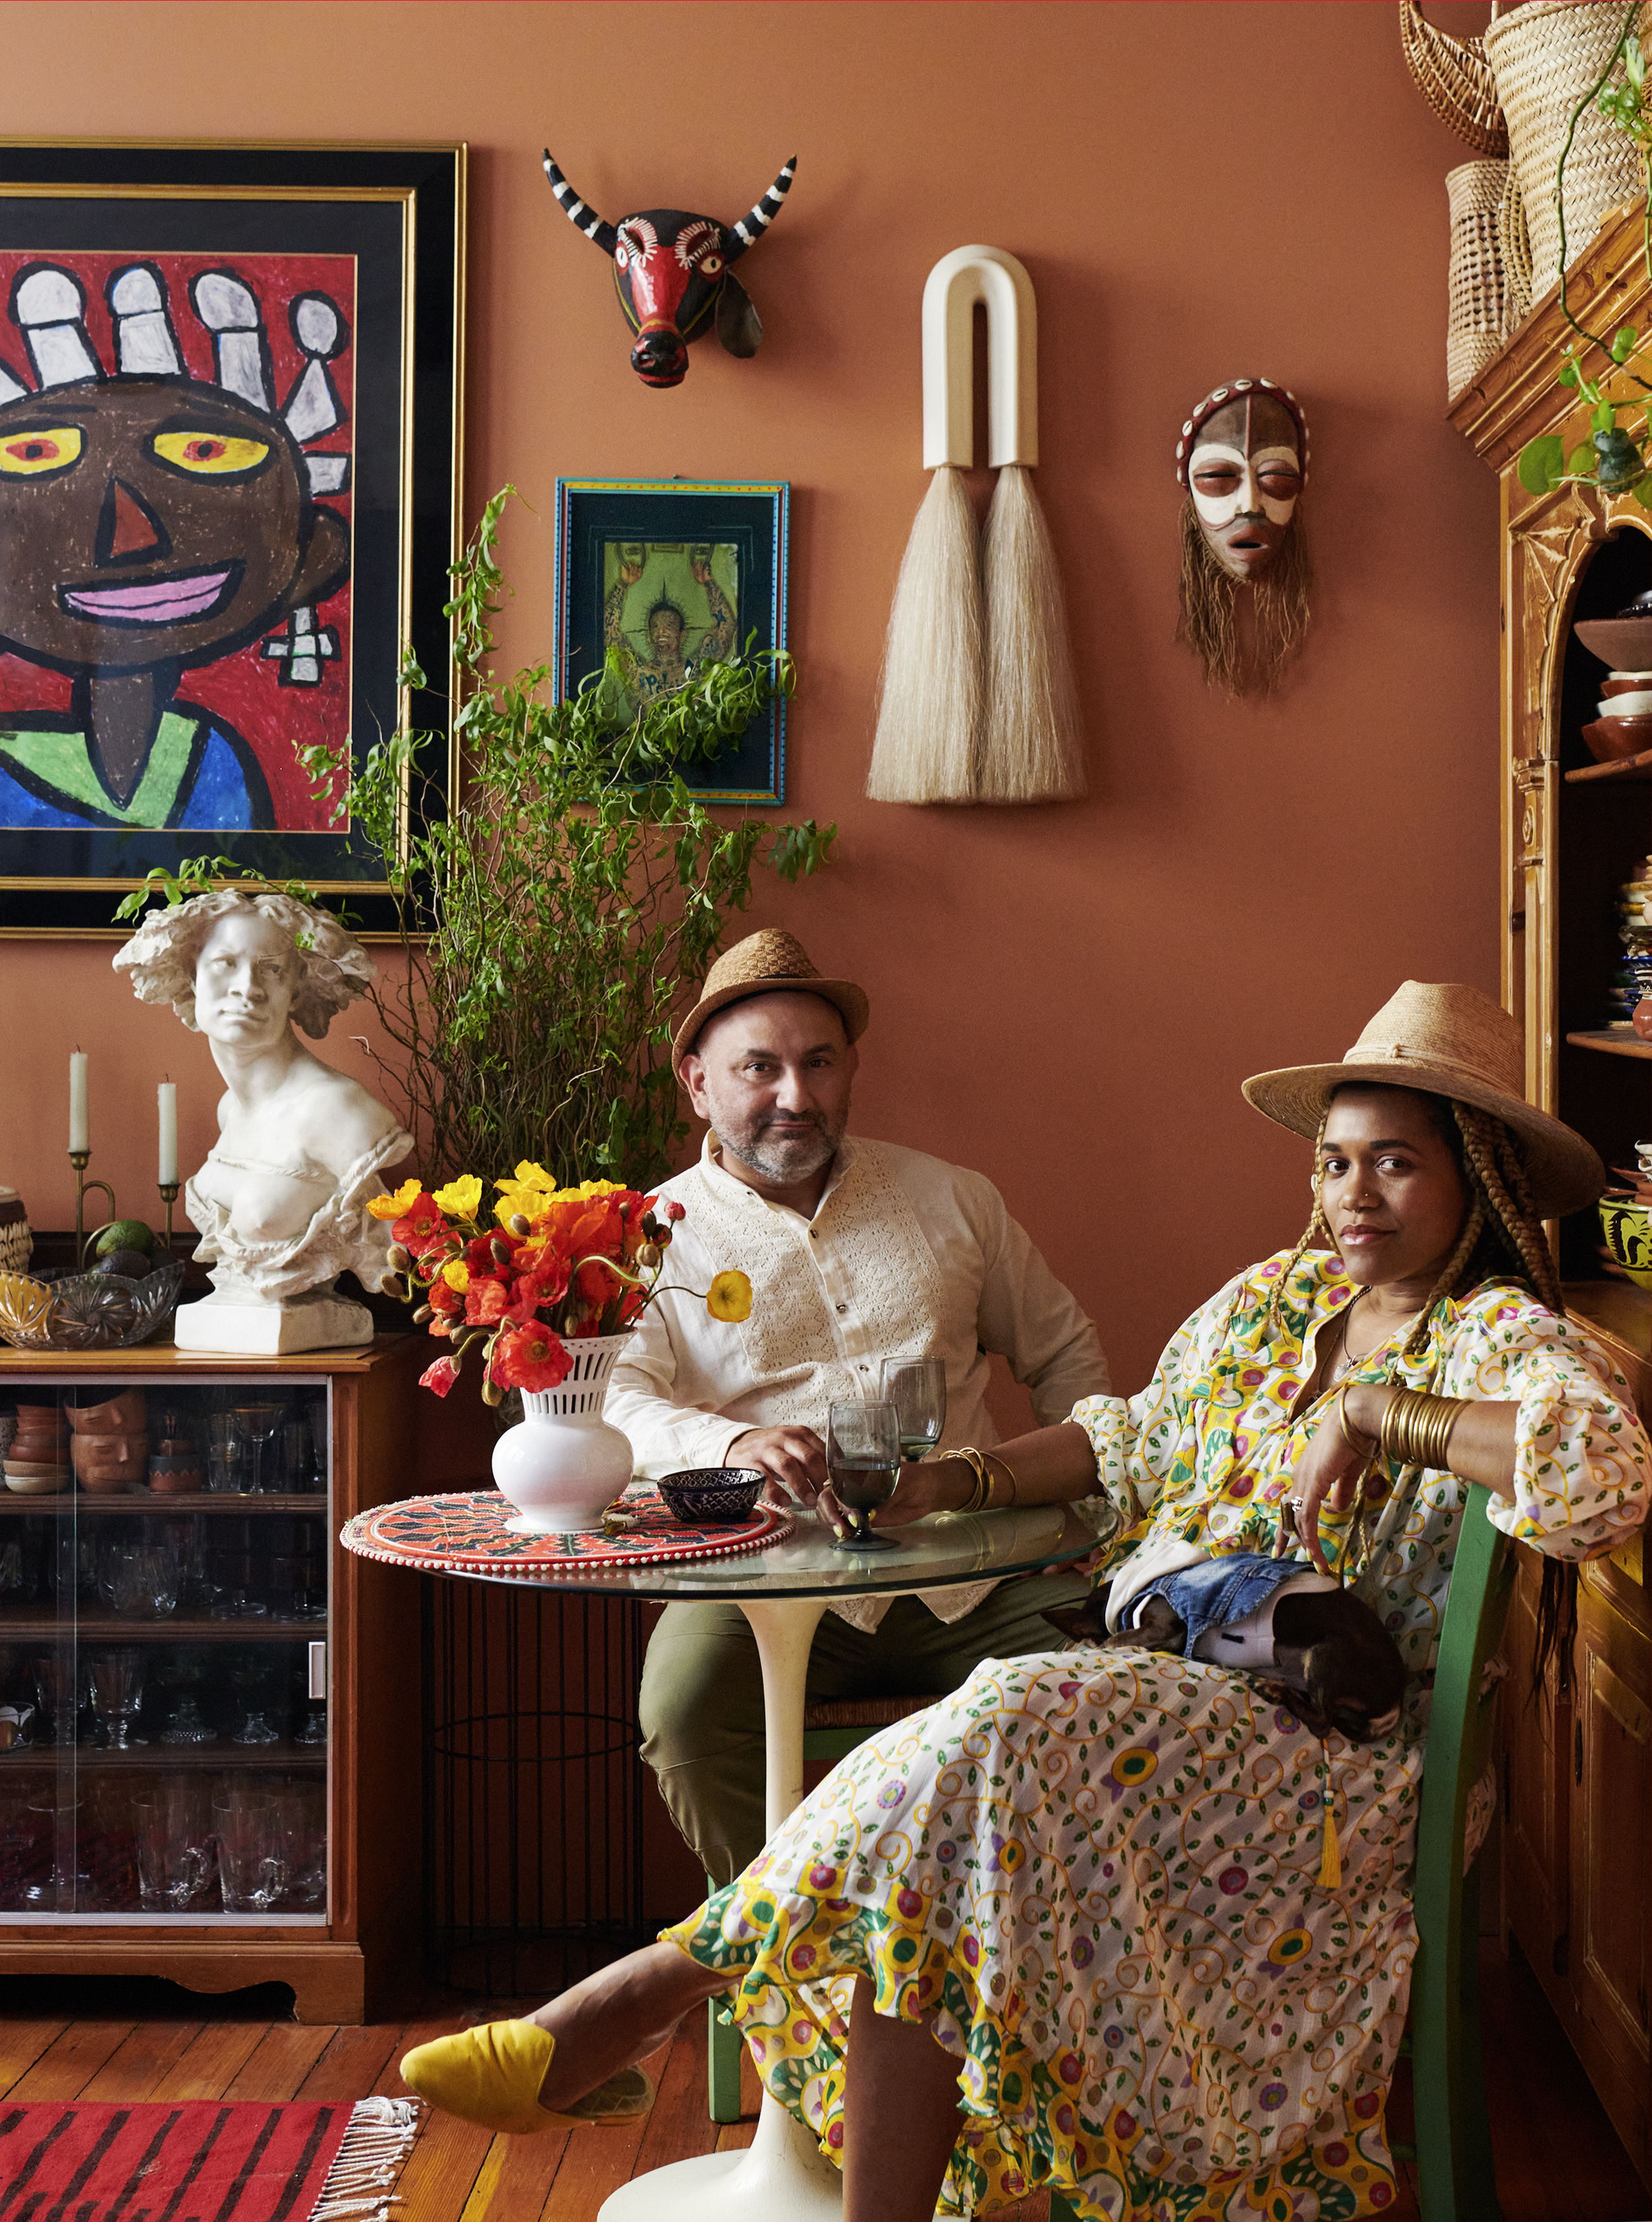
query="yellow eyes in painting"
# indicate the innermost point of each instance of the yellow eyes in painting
(35, 453)
(209, 454)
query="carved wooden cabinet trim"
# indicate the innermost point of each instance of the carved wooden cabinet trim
(1577, 1802)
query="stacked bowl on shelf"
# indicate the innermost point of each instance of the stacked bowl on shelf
(37, 1458)
(1623, 721)
(1631, 983)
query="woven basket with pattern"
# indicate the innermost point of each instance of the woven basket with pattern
(1454, 78)
(1546, 58)
(1474, 323)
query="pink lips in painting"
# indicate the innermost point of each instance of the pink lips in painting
(174, 600)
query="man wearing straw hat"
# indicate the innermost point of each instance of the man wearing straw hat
(857, 1251)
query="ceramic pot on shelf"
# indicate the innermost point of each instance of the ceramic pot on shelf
(562, 1466)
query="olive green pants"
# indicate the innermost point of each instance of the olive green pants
(701, 1703)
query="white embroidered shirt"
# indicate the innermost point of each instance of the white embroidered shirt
(904, 1254)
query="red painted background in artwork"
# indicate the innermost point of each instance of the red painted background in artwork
(244, 688)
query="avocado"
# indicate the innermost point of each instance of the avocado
(125, 1235)
(127, 1265)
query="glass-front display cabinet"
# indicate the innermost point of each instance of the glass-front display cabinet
(198, 1692)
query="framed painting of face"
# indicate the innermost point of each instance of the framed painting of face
(228, 411)
(665, 575)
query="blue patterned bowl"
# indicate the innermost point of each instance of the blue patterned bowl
(711, 1496)
(1628, 1229)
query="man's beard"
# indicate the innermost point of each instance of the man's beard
(784, 1160)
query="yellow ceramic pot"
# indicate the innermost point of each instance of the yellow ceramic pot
(1628, 1229)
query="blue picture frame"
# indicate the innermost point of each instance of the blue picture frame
(668, 571)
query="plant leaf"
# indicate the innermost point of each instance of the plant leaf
(1541, 463)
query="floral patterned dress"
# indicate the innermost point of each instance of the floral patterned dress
(1098, 1870)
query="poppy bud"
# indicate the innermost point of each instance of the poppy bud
(491, 1393)
(675, 1210)
(400, 1258)
(648, 1256)
(520, 1225)
(421, 1315)
(500, 1249)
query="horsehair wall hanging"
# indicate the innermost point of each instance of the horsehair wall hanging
(1242, 459)
(979, 703)
(673, 273)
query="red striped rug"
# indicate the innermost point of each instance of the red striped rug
(203, 2161)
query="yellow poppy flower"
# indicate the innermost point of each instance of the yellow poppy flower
(729, 1298)
(456, 1274)
(391, 1207)
(460, 1198)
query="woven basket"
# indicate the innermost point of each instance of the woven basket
(1475, 323)
(1514, 245)
(1454, 78)
(1546, 58)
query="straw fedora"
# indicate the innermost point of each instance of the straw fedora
(769, 962)
(1446, 1039)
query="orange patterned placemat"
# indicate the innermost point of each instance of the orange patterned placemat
(467, 1534)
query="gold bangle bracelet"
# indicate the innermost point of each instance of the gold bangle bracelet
(1009, 1475)
(1417, 1429)
(982, 1492)
(1364, 1446)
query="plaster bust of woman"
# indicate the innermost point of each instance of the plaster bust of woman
(281, 1201)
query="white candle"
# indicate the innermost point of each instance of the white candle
(79, 1120)
(166, 1097)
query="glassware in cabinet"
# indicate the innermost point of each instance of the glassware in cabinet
(164, 1661)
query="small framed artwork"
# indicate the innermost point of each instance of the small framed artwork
(229, 432)
(670, 574)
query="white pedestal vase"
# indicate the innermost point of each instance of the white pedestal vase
(563, 1465)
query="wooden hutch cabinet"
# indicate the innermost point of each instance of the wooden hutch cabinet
(209, 1749)
(1577, 1787)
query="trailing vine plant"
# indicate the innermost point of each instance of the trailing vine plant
(1614, 457)
(551, 922)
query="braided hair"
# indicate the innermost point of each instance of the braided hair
(1502, 1234)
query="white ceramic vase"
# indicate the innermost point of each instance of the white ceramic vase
(563, 1465)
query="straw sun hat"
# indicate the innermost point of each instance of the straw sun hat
(769, 962)
(1445, 1039)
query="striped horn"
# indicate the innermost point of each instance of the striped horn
(753, 224)
(594, 226)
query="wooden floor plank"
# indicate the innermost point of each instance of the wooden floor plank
(207, 2067)
(284, 2056)
(22, 2044)
(133, 2069)
(443, 2168)
(66, 2066)
(598, 2161)
(680, 2128)
(352, 2063)
(516, 2179)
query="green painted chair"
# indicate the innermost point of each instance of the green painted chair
(1454, 2139)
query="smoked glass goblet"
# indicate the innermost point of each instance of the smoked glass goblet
(864, 1464)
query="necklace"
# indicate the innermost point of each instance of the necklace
(1339, 1359)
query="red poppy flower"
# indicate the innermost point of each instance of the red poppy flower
(597, 1286)
(440, 1377)
(484, 1302)
(445, 1302)
(421, 1228)
(530, 1358)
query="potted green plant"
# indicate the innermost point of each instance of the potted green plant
(550, 920)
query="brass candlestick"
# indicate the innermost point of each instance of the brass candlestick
(168, 1196)
(80, 1159)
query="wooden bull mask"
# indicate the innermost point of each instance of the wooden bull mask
(672, 272)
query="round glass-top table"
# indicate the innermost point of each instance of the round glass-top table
(782, 2176)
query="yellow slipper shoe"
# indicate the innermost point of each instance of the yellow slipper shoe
(492, 2074)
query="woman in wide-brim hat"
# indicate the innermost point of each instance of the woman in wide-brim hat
(1145, 1926)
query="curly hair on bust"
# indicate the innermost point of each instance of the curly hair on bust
(333, 968)
(1280, 609)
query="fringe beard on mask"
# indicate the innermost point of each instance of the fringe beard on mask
(1280, 609)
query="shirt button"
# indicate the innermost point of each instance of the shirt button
(866, 1368)
(841, 1309)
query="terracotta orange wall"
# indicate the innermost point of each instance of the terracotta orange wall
(1065, 997)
